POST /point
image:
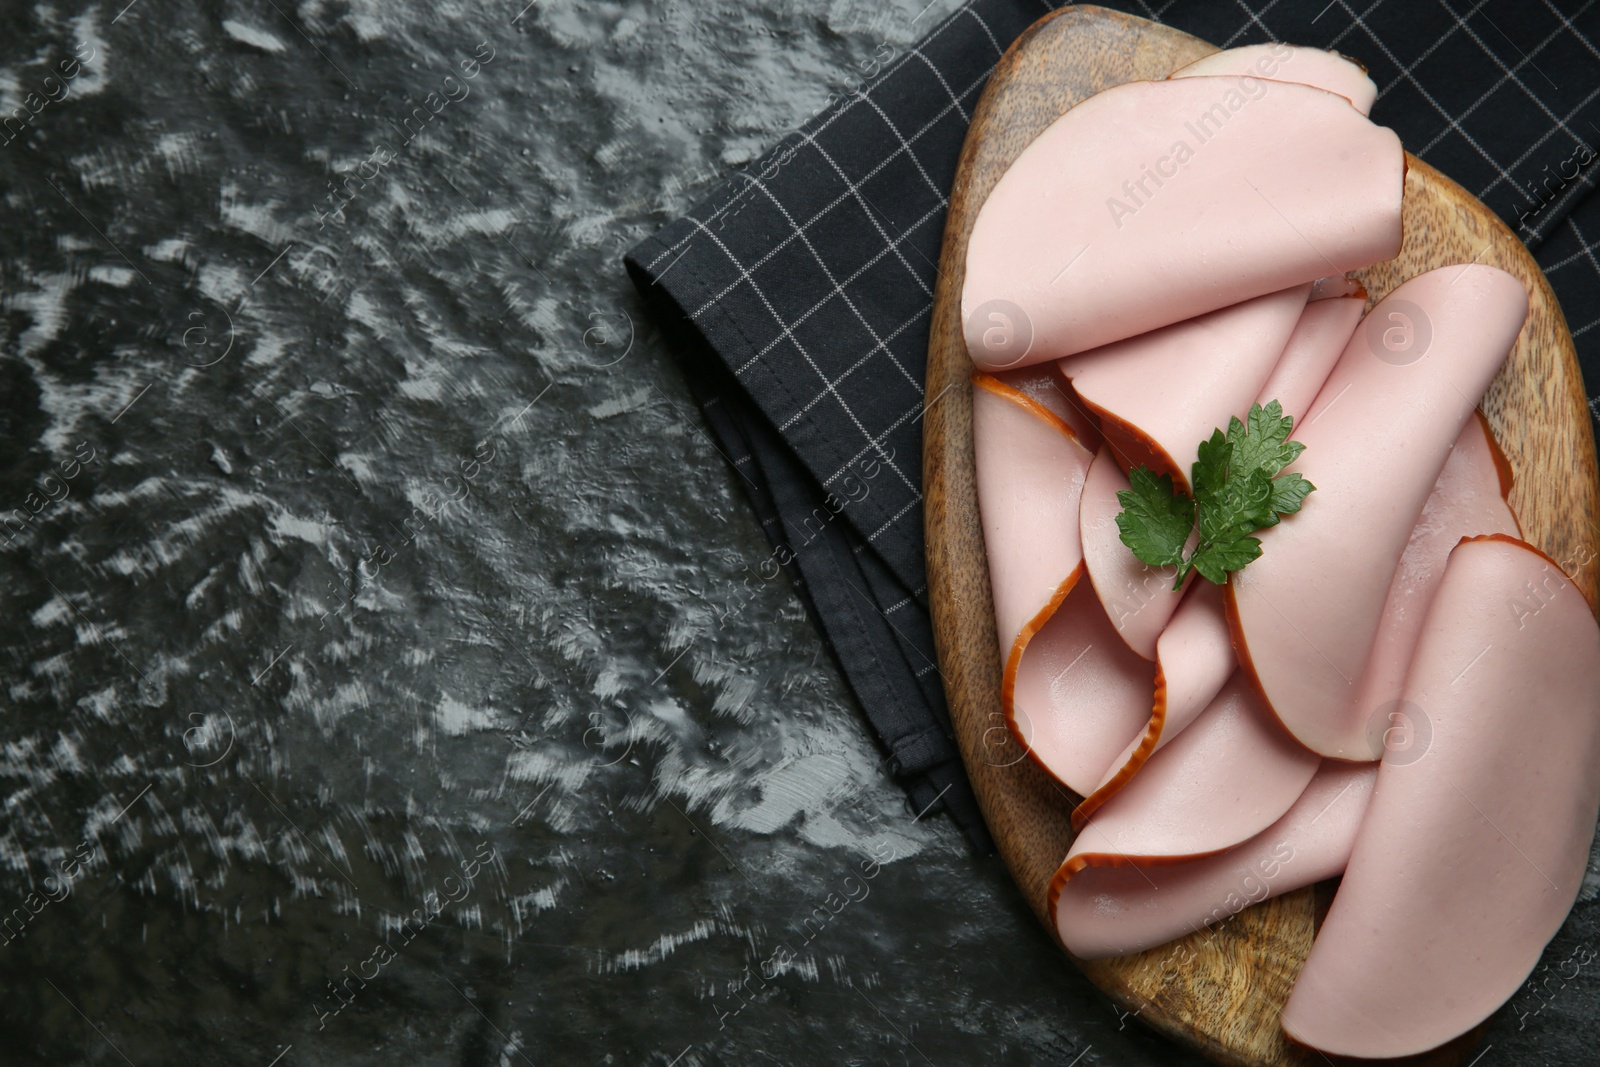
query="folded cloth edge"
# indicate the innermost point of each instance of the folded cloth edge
(923, 759)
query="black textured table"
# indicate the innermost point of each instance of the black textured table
(371, 694)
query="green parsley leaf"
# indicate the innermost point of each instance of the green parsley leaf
(1262, 441)
(1237, 492)
(1214, 561)
(1210, 472)
(1155, 520)
(1288, 493)
(1241, 506)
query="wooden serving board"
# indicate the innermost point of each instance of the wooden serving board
(1220, 991)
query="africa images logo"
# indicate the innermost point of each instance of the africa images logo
(1204, 127)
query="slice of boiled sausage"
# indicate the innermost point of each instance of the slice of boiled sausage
(1158, 395)
(1230, 775)
(1475, 843)
(1072, 692)
(1469, 499)
(1305, 615)
(1113, 911)
(1154, 202)
(1193, 662)
(1277, 61)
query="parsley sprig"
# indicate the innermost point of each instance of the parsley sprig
(1237, 492)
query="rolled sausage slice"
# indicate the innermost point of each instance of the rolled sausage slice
(1154, 202)
(1475, 843)
(1277, 61)
(1114, 911)
(1304, 616)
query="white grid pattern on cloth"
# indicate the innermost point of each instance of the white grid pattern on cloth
(1566, 23)
(905, 146)
(1255, 20)
(897, 516)
(878, 344)
(859, 272)
(987, 32)
(857, 365)
(954, 100)
(1358, 22)
(1587, 253)
(1536, 146)
(1528, 58)
(850, 189)
(1408, 73)
(871, 211)
(799, 232)
(845, 407)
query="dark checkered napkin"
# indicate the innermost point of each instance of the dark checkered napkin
(798, 295)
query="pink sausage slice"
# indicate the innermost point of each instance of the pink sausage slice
(1114, 911)
(1138, 598)
(1469, 499)
(1154, 202)
(1284, 63)
(1044, 385)
(1193, 658)
(1030, 472)
(1081, 695)
(1319, 338)
(1304, 615)
(1160, 394)
(1230, 775)
(1193, 662)
(1476, 840)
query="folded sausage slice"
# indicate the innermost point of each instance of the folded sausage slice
(1154, 202)
(1193, 662)
(1158, 395)
(1318, 340)
(1114, 911)
(1230, 775)
(1193, 658)
(1030, 470)
(1081, 695)
(1138, 598)
(1044, 385)
(1285, 63)
(1475, 843)
(1072, 692)
(1304, 616)
(1469, 499)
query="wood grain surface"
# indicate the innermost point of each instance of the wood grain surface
(1219, 991)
